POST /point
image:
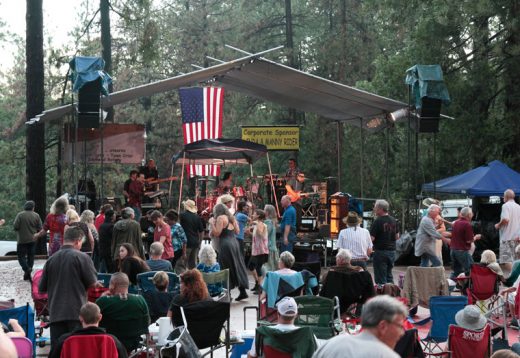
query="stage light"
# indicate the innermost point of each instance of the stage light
(399, 114)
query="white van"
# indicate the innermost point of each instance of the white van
(449, 208)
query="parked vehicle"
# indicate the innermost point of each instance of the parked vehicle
(7, 248)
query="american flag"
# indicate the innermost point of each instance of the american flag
(201, 119)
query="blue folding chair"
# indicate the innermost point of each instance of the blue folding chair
(25, 317)
(105, 278)
(442, 314)
(145, 283)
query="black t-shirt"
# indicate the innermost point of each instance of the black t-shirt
(105, 239)
(192, 225)
(384, 229)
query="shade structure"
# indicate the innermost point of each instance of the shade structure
(271, 81)
(487, 180)
(220, 151)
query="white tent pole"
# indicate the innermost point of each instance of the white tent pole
(180, 187)
(272, 185)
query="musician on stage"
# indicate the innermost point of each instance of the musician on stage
(126, 186)
(226, 183)
(136, 190)
(150, 171)
(294, 176)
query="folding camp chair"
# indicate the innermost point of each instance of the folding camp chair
(276, 286)
(312, 267)
(463, 343)
(104, 278)
(89, 346)
(25, 317)
(483, 285)
(218, 281)
(145, 283)
(352, 289)
(320, 313)
(273, 343)
(442, 314)
(205, 321)
(24, 347)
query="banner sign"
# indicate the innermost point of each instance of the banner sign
(273, 137)
(122, 144)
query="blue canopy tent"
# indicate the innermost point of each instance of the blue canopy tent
(487, 180)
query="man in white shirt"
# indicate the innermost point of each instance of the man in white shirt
(355, 239)
(382, 320)
(509, 228)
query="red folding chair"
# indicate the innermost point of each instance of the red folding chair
(463, 343)
(24, 347)
(89, 346)
(270, 352)
(483, 285)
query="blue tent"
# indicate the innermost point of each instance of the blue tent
(488, 180)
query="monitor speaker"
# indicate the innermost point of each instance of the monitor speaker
(429, 115)
(89, 101)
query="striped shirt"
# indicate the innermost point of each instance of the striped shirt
(357, 240)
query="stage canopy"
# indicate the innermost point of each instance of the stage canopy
(220, 151)
(270, 81)
(487, 180)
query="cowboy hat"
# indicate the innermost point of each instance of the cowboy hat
(470, 318)
(190, 206)
(352, 219)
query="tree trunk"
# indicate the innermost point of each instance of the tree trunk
(35, 134)
(106, 48)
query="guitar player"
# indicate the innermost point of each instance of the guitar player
(296, 179)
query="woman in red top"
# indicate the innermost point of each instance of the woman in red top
(55, 223)
(162, 233)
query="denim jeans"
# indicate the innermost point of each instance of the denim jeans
(383, 265)
(362, 264)
(427, 258)
(461, 261)
(25, 254)
(288, 247)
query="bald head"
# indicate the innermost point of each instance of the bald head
(119, 281)
(509, 194)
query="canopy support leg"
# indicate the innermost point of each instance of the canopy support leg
(180, 186)
(272, 185)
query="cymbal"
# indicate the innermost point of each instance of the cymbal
(205, 179)
(330, 178)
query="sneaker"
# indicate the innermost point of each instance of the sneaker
(514, 324)
(242, 296)
(255, 288)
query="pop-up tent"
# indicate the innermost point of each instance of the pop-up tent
(487, 180)
(221, 152)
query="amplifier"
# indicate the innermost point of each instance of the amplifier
(308, 223)
(323, 217)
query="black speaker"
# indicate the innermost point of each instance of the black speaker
(89, 101)
(429, 115)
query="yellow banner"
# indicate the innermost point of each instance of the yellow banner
(275, 137)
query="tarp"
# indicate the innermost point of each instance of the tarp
(270, 81)
(88, 69)
(220, 151)
(487, 180)
(427, 81)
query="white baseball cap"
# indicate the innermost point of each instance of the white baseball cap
(287, 307)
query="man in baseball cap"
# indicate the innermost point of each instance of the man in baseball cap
(287, 313)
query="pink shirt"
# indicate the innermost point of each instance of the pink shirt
(164, 230)
(260, 241)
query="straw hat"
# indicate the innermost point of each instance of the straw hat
(429, 201)
(470, 318)
(190, 206)
(352, 219)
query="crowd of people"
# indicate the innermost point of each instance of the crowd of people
(80, 246)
